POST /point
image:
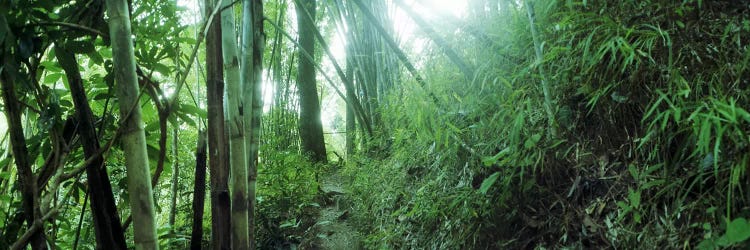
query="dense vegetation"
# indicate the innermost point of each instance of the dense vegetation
(382, 124)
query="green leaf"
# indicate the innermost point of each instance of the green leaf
(489, 161)
(51, 66)
(704, 136)
(624, 206)
(634, 197)
(737, 231)
(453, 128)
(289, 223)
(325, 222)
(532, 141)
(96, 57)
(650, 169)
(633, 171)
(707, 244)
(193, 110)
(52, 78)
(106, 52)
(487, 183)
(152, 127)
(161, 68)
(186, 40)
(66, 103)
(186, 118)
(153, 151)
(680, 24)
(653, 183)
(711, 210)
(102, 96)
(743, 114)
(5, 198)
(617, 97)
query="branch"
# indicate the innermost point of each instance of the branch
(75, 26)
(21, 243)
(103, 150)
(26, 105)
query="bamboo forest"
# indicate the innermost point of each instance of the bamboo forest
(374, 124)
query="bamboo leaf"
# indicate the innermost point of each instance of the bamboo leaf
(488, 182)
(532, 141)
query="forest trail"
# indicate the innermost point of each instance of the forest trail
(333, 230)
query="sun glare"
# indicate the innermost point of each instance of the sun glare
(437, 8)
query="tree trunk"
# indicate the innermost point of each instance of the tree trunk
(539, 59)
(109, 232)
(235, 124)
(26, 180)
(217, 141)
(199, 192)
(175, 178)
(360, 114)
(350, 122)
(253, 44)
(133, 138)
(311, 128)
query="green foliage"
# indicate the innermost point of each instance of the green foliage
(35, 26)
(653, 104)
(169, 238)
(286, 190)
(737, 231)
(650, 67)
(432, 192)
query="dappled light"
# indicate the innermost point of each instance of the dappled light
(374, 124)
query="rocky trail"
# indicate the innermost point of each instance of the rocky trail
(332, 229)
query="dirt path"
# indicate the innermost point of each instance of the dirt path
(333, 230)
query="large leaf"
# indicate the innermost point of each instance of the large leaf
(161, 68)
(192, 110)
(52, 78)
(737, 231)
(51, 66)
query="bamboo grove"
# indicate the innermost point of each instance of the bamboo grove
(374, 124)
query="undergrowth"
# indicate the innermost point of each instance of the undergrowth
(286, 199)
(651, 106)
